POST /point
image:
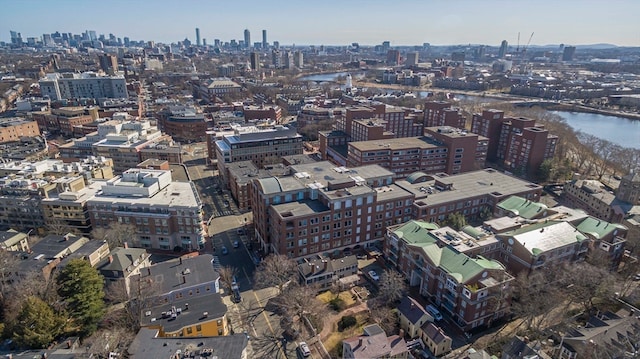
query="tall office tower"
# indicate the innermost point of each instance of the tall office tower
(16, 38)
(126, 41)
(47, 40)
(198, 37)
(276, 44)
(204, 42)
(287, 60)
(264, 39)
(393, 57)
(385, 46)
(92, 35)
(108, 63)
(568, 52)
(276, 58)
(503, 49)
(298, 59)
(254, 60)
(412, 59)
(247, 38)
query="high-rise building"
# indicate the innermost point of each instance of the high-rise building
(264, 39)
(298, 59)
(16, 38)
(503, 49)
(517, 143)
(276, 58)
(198, 37)
(393, 57)
(254, 61)
(287, 59)
(568, 52)
(412, 59)
(126, 41)
(247, 38)
(108, 63)
(86, 85)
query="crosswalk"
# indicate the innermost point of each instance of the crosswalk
(222, 214)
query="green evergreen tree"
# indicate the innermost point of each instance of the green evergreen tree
(455, 221)
(37, 324)
(81, 288)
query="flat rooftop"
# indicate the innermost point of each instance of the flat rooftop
(178, 194)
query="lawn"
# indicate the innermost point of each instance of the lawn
(346, 296)
(334, 341)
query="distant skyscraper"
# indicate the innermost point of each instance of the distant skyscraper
(568, 52)
(393, 57)
(198, 37)
(254, 61)
(298, 59)
(264, 39)
(503, 49)
(204, 42)
(247, 38)
(16, 38)
(126, 41)
(412, 59)
(276, 58)
(276, 44)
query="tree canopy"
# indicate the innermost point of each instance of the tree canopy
(81, 288)
(37, 325)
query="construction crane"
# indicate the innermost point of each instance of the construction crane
(524, 49)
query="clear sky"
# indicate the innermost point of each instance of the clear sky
(335, 22)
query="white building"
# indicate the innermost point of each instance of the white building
(58, 86)
(166, 214)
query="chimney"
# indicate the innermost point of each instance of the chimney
(126, 245)
(205, 314)
(66, 237)
(413, 305)
(360, 341)
(184, 279)
(313, 268)
(110, 259)
(180, 260)
(148, 270)
(68, 344)
(186, 306)
(324, 264)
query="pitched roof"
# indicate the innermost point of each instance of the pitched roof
(416, 232)
(122, 259)
(375, 344)
(459, 265)
(545, 236)
(434, 333)
(412, 310)
(598, 228)
(523, 207)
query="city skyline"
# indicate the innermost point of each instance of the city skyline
(338, 23)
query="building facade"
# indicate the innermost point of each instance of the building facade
(58, 86)
(13, 129)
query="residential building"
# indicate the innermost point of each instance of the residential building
(67, 206)
(593, 197)
(123, 264)
(439, 195)
(321, 208)
(254, 61)
(64, 120)
(441, 113)
(412, 316)
(629, 189)
(517, 143)
(166, 214)
(323, 272)
(14, 241)
(262, 146)
(435, 339)
(58, 86)
(108, 63)
(374, 344)
(472, 291)
(13, 129)
(46, 255)
(412, 59)
(606, 334)
(443, 149)
(524, 348)
(149, 344)
(188, 303)
(242, 173)
(521, 207)
(269, 113)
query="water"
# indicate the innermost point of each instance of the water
(332, 76)
(618, 130)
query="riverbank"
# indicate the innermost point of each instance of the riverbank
(587, 109)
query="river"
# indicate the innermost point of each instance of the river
(619, 130)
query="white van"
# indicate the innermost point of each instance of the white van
(435, 313)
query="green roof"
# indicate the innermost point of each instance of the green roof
(416, 232)
(522, 207)
(598, 228)
(473, 232)
(459, 265)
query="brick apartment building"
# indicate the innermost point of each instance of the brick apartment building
(184, 124)
(473, 291)
(321, 208)
(440, 113)
(63, 120)
(442, 149)
(517, 143)
(13, 129)
(255, 113)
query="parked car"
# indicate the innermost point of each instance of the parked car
(236, 244)
(225, 250)
(435, 313)
(374, 275)
(304, 349)
(236, 297)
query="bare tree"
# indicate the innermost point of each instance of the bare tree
(386, 317)
(392, 287)
(581, 283)
(142, 294)
(60, 227)
(104, 341)
(300, 306)
(533, 298)
(227, 274)
(116, 235)
(275, 270)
